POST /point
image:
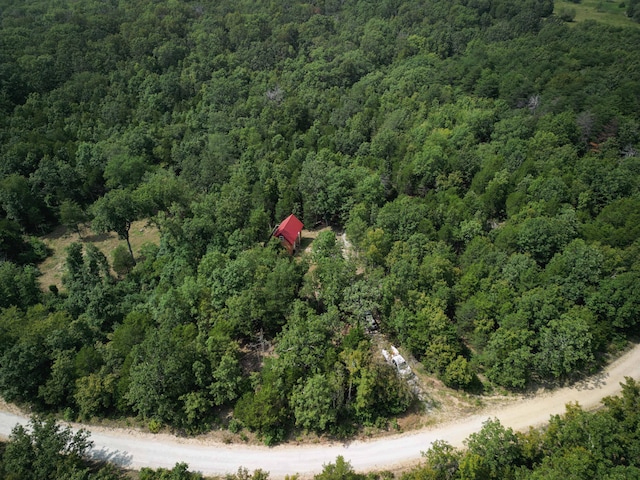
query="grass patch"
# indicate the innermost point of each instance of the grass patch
(52, 268)
(603, 11)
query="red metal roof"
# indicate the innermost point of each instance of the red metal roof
(289, 229)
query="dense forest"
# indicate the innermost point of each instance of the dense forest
(482, 157)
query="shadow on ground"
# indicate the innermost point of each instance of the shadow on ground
(116, 457)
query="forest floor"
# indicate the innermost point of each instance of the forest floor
(52, 268)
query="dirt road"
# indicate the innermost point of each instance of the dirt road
(134, 449)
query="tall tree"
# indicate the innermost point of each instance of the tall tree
(115, 212)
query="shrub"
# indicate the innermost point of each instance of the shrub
(122, 261)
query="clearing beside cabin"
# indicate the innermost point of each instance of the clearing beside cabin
(53, 267)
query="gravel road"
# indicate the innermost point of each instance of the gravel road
(135, 449)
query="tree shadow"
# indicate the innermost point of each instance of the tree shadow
(98, 237)
(122, 459)
(578, 381)
(592, 382)
(475, 387)
(58, 232)
(305, 242)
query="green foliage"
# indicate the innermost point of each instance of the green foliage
(18, 285)
(59, 386)
(567, 14)
(46, 450)
(482, 158)
(20, 205)
(325, 245)
(37, 356)
(633, 10)
(124, 171)
(115, 212)
(265, 409)
(228, 381)
(543, 237)
(341, 469)
(161, 374)
(16, 247)
(90, 286)
(458, 373)
(24, 369)
(122, 261)
(72, 215)
(95, 394)
(179, 472)
(243, 474)
(494, 450)
(509, 357)
(616, 224)
(313, 404)
(566, 344)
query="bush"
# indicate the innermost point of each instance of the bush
(235, 425)
(122, 260)
(155, 425)
(458, 374)
(567, 14)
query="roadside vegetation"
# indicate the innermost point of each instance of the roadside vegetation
(481, 157)
(576, 445)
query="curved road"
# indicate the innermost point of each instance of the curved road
(135, 450)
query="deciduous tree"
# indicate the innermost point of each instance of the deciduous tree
(115, 212)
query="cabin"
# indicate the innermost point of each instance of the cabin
(289, 233)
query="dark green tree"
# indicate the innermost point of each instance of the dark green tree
(18, 285)
(161, 373)
(122, 261)
(567, 344)
(20, 204)
(493, 452)
(45, 451)
(179, 472)
(115, 212)
(124, 171)
(72, 216)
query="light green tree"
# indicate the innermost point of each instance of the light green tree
(312, 403)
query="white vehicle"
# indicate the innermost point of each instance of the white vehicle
(398, 361)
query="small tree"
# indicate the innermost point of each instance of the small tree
(567, 14)
(72, 216)
(122, 261)
(493, 452)
(341, 470)
(179, 472)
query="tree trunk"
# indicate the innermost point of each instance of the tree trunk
(130, 249)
